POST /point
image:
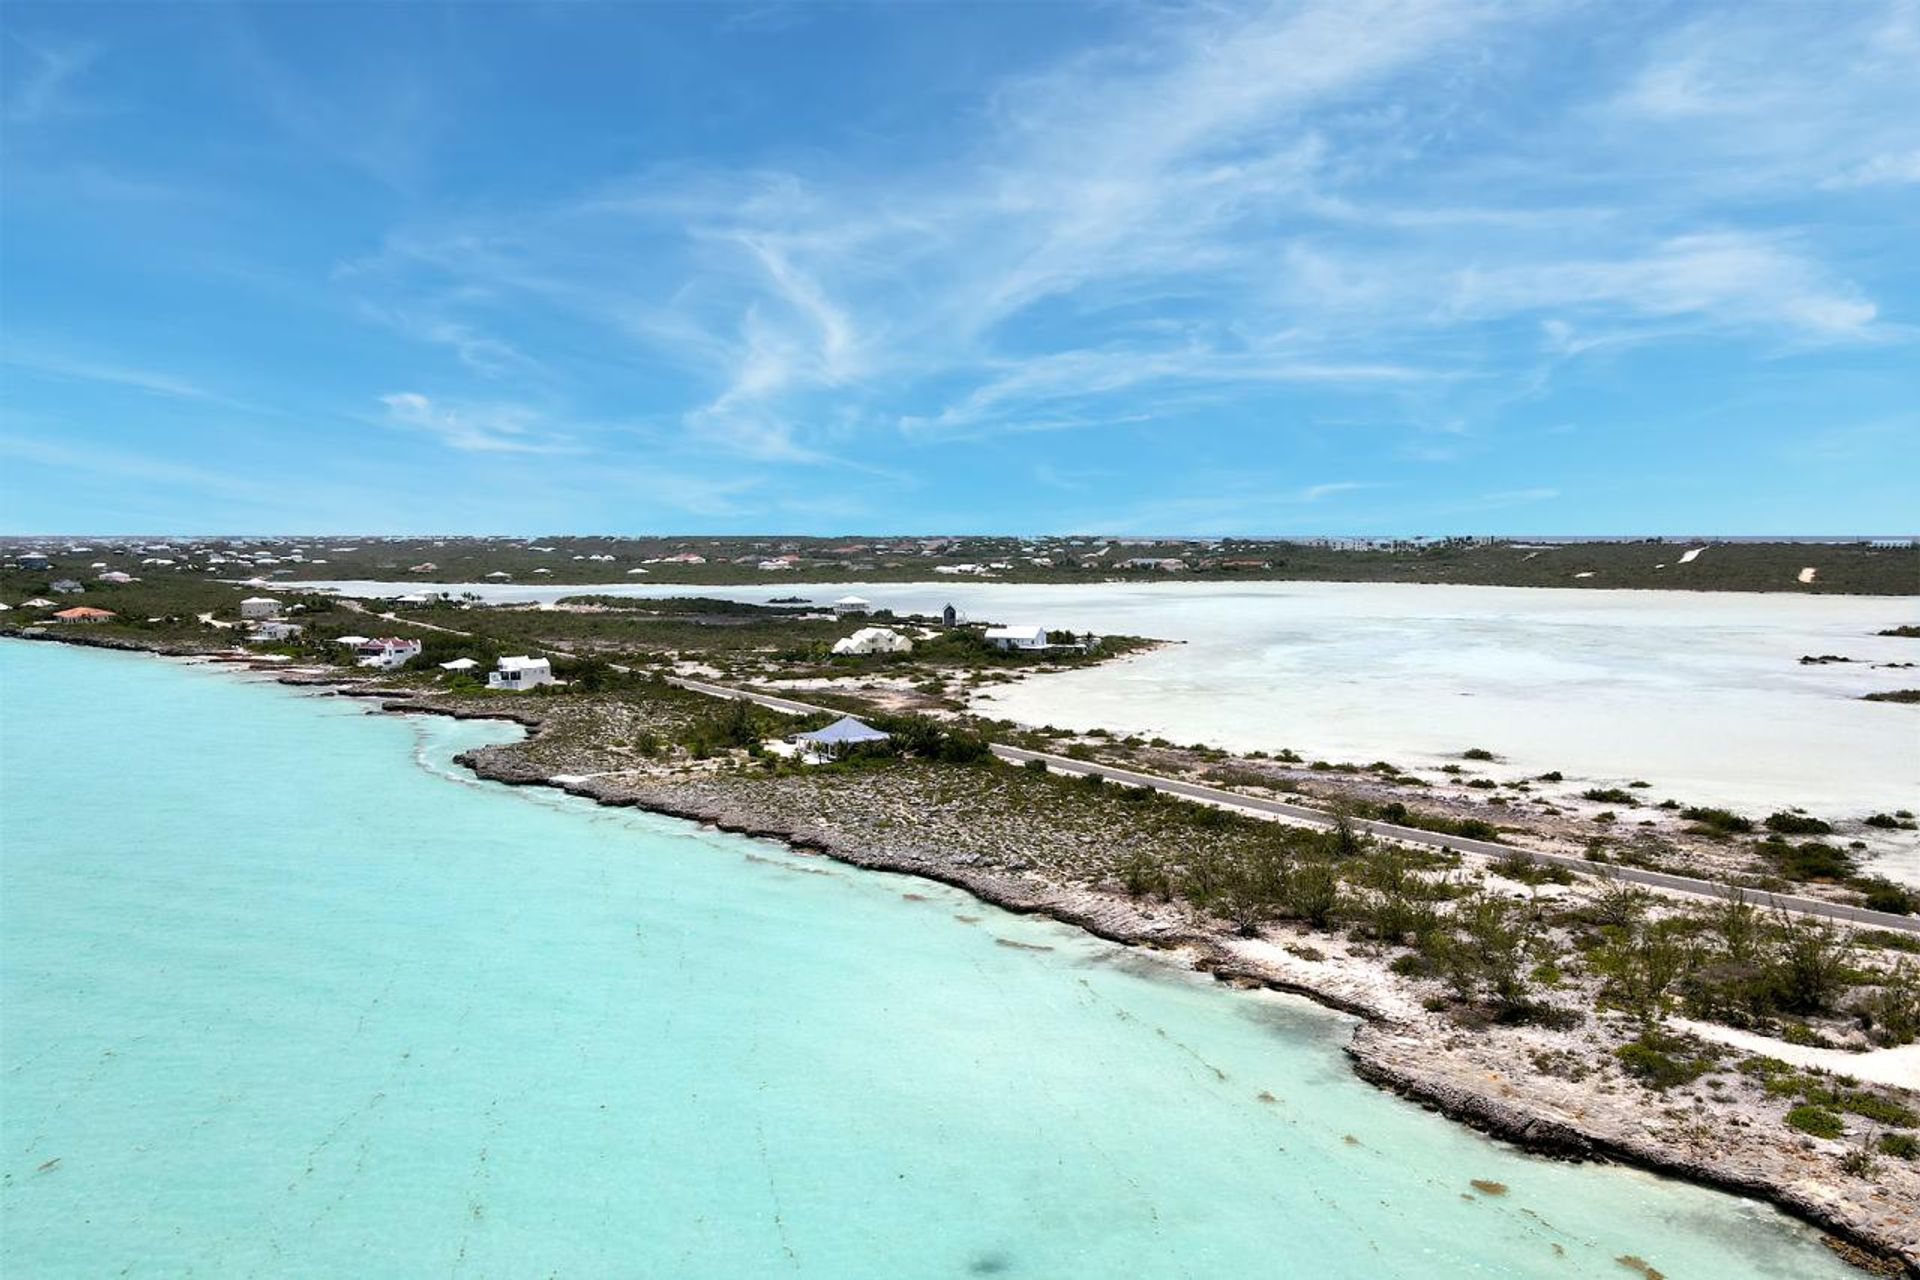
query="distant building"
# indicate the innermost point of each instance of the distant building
(1017, 638)
(66, 587)
(259, 607)
(34, 560)
(1164, 565)
(114, 575)
(459, 664)
(949, 616)
(873, 640)
(521, 673)
(272, 631)
(846, 605)
(81, 613)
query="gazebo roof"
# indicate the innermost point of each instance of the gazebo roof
(844, 730)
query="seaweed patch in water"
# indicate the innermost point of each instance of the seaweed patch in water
(989, 1264)
(1634, 1262)
(1020, 946)
(1488, 1187)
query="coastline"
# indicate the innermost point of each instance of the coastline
(1385, 1050)
(1388, 1049)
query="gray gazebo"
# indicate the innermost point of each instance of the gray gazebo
(841, 734)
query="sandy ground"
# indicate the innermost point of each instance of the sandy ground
(1900, 1066)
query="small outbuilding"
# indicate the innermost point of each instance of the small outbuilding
(838, 737)
(459, 664)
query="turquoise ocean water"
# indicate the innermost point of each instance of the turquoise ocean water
(283, 992)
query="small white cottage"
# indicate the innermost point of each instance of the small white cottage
(520, 674)
(847, 605)
(1025, 638)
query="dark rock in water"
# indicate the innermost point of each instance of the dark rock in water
(989, 1264)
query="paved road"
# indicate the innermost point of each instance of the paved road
(1386, 830)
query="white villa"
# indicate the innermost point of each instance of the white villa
(1020, 637)
(522, 673)
(272, 631)
(259, 607)
(873, 640)
(846, 605)
(388, 652)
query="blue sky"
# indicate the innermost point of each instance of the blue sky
(1415, 267)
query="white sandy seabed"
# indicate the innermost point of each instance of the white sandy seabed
(1700, 694)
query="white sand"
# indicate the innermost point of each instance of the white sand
(1899, 1066)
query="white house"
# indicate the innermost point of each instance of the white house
(1021, 637)
(114, 575)
(521, 673)
(388, 652)
(259, 607)
(873, 640)
(851, 604)
(459, 664)
(272, 631)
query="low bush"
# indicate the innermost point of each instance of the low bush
(1818, 1121)
(1797, 824)
(1721, 820)
(1658, 1063)
(1900, 1145)
(1610, 795)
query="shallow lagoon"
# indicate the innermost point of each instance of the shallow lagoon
(1701, 694)
(286, 993)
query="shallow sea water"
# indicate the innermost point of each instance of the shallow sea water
(284, 992)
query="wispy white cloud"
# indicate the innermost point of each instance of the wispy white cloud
(1226, 204)
(44, 87)
(68, 368)
(477, 428)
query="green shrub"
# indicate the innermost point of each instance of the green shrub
(1901, 1145)
(1611, 795)
(1797, 824)
(1722, 820)
(1652, 1060)
(1883, 894)
(1476, 753)
(1818, 1121)
(1809, 861)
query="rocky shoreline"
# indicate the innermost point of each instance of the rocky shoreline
(1388, 1048)
(1468, 1078)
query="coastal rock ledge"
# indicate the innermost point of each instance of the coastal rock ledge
(1477, 1078)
